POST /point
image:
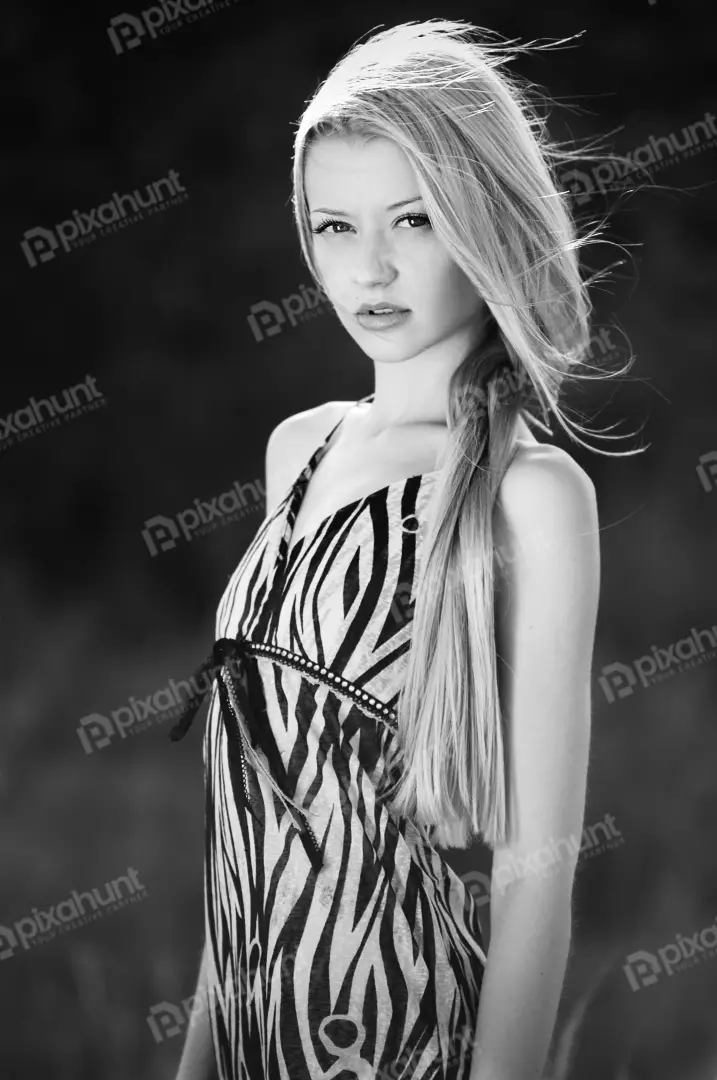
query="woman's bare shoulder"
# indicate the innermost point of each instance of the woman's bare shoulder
(293, 441)
(298, 430)
(546, 501)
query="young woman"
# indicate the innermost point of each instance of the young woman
(403, 654)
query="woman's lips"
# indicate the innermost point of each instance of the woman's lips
(383, 320)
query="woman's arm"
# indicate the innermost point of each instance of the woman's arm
(197, 1062)
(546, 611)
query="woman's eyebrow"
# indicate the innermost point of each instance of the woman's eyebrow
(345, 213)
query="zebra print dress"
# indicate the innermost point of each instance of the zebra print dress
(340, 944)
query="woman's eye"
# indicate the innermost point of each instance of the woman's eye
(334, 222)
(419, 217)
(324, 225)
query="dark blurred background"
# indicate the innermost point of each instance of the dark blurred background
(174, 345)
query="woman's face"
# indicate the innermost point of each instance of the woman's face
(377, 254)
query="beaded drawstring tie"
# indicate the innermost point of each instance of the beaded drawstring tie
(243, 711)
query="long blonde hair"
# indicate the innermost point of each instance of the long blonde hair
(485, 168)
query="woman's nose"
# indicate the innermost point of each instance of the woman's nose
(373, 263)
